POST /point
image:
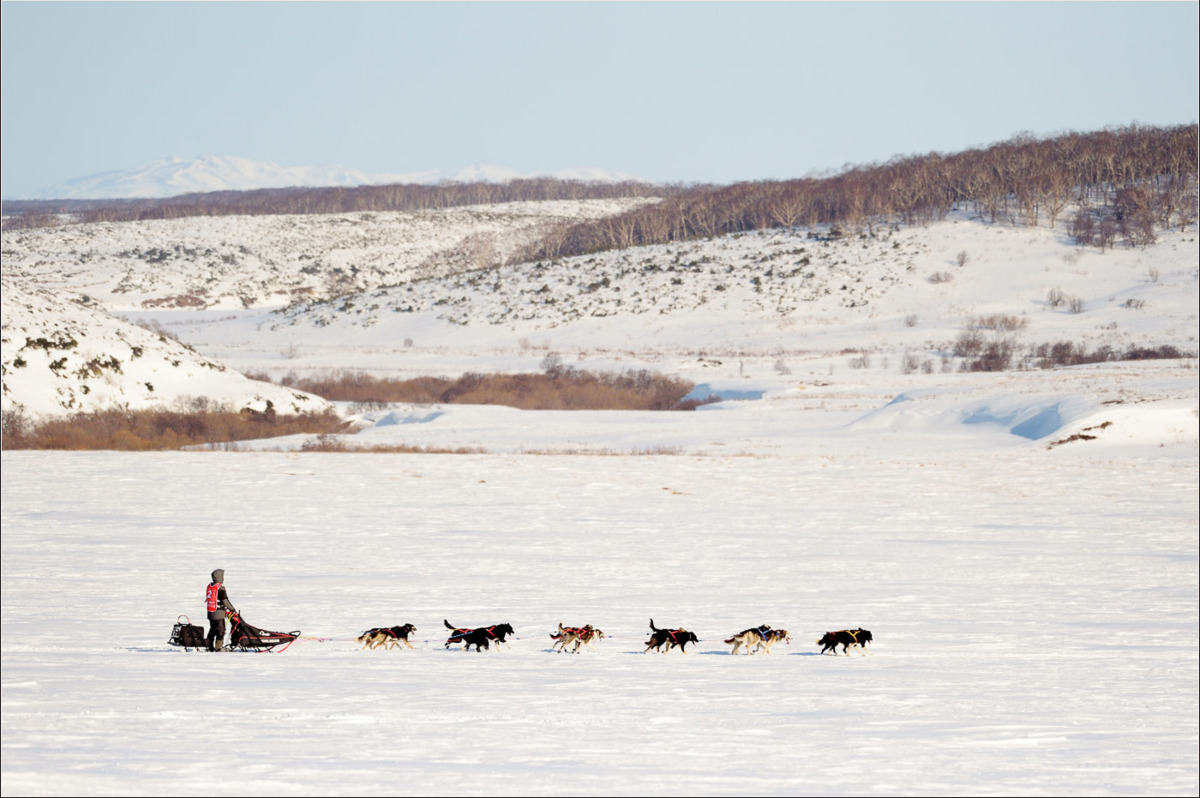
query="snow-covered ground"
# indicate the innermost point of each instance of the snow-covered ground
(1035, 622)
(1022, 544)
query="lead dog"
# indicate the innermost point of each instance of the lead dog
(771, 637)
(388, 637)
(480, 637)
(847, 639)
(666, 639)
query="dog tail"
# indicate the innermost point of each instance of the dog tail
(448, 626)
(730, 640)
(654, 628)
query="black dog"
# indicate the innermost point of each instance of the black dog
(666, 639)
(847, 639)
(480, 637)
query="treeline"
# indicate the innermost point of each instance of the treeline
(1121, 183)
(558, 388)
(280, 201)
(1118, 182)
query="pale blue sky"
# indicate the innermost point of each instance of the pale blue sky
(665, 91)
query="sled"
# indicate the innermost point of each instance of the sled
(246, 637)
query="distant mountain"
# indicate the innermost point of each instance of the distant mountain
(172, 176)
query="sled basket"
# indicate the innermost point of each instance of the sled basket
(247, 637)
(186, 634)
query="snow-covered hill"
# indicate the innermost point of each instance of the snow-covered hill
(887, 291)
(64, 354)
(172, 176)
(249, 261)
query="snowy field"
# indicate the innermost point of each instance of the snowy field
(1035, 618)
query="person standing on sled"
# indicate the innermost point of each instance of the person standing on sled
(216, 602)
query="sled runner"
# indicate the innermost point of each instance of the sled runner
(244, 637)
(186, 634)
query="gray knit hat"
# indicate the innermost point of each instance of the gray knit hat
(219, 575)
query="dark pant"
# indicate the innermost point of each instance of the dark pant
(216, 630)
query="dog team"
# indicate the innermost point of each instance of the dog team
(759, 639)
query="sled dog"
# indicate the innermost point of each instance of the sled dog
(386, 636)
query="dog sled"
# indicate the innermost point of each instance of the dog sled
(246, 637)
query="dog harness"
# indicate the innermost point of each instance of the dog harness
(464, 632)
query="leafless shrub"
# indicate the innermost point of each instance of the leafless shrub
(1152, 273)
(969, 344)
(911, 320)
(909, 363)
(15, 429)
(1134, 304)
(941, 277)
(1083, 227)
(861, 361)
(962, 258)
(1067, 353)
(325, 442)
(999, 322)
(1163, 352)
(781, 368)
(1057, 298)
(994, 355)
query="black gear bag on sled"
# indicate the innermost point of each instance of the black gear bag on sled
(186, 634)
(245, 637)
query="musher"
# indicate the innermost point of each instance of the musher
(216, 602)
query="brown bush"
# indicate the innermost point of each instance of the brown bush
(147, 430)
(557, 389)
